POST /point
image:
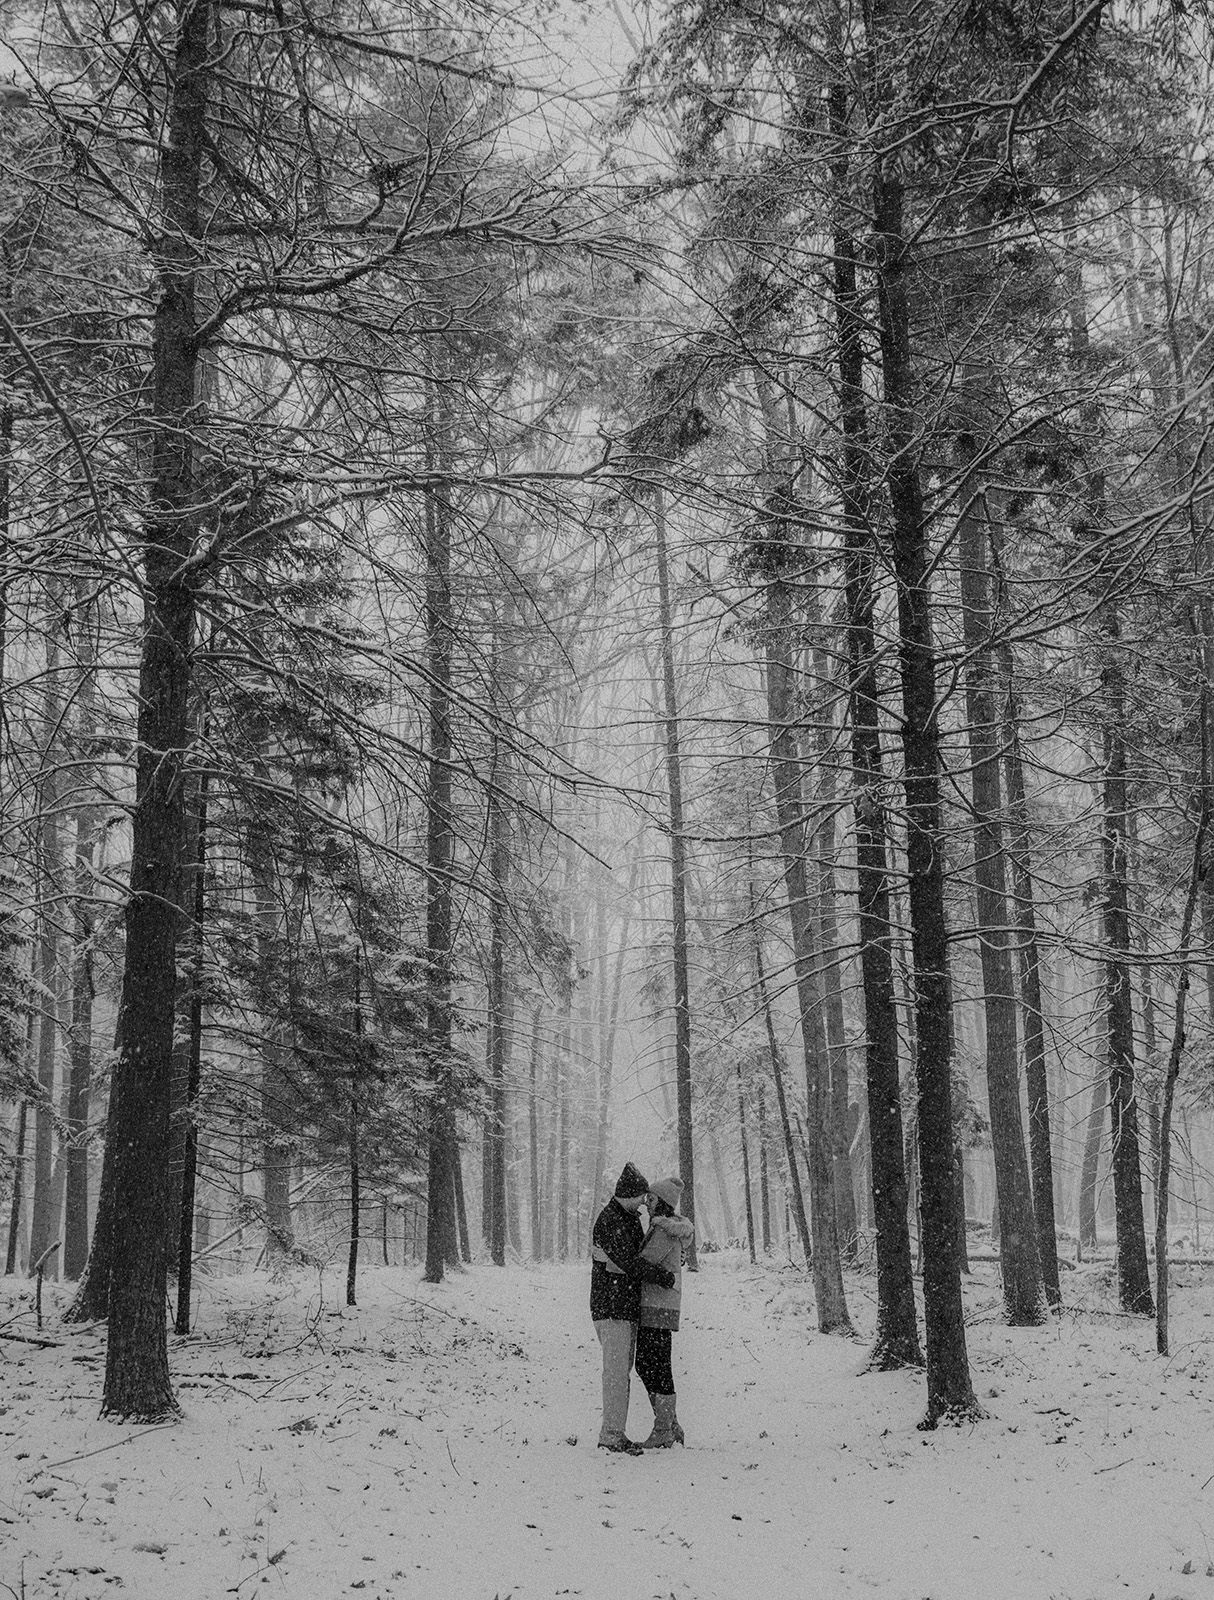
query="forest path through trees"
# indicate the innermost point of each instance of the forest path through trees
(419, 1447)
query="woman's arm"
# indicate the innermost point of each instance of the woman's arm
(621, 1251)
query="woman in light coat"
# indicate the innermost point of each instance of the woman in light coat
(665, 1246)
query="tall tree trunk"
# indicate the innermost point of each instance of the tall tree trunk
(464, 1244)
(678, 878)
(842, 1174)
(534, 1131)
(1134, 1283)
(564, 1068)
(775, 1056)
(607, 1046)
(92, 1301)
(790, 812)
(44, 1220)
(1133, 1277)
(854, 471)
(950, 1390)
(1019, 1258)
(1089, 1171)
(186, 1242)
(548, 1190)
(352, 1139)
(14, 1211)
(80, 1055)
(826, 933)
(441, 1243)
(585, 1106)
(1029, 960)
(501, 1067)
(11, 1029)
(274, 1084)
(499, 1000)
(1173, 1072)
(16, 1014)
(487, 1118)
(1150, 1036)
(836, 1035)
(137, 1383)
(1188, 1150)
(750, 1210)
(515, 1144)
(1132, 1272)
(764, 1178)
(897, 1337)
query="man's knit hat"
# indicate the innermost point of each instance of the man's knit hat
(668, 1189)
(631, 1183)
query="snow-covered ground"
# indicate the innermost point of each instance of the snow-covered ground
(438, 1444)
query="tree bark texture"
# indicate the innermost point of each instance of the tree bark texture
(1019, 1258)
(80, 1055)
(563, 1066)
(1089, 1171)
(897, 1336)
(1169, 1084)
(441, 1242)
(1134, 1283)
(44, 1221)
(790, 812)
(764, 1177)
(534, 1140)
(499, 1005)
(92, 1300)
(607, 1043)
(14, 1210)
(836, 1034)
(776, 1058)
(950, 1390)
(678, 877)
(353, 1153)
(137, 1383)
(464, 1243)
(1133, 1277)
(1032, 1009)
(746, 1190)
(186, 1243)
(274, 1081)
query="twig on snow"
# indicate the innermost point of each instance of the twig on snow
(24, 1338)
(100, 1450)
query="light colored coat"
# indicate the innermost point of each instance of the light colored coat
(665, 1245)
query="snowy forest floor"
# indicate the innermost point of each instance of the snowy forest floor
(438, 1443)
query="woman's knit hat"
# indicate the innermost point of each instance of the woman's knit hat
(668, 1189)
(631, 1183)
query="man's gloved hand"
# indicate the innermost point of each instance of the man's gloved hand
(667, 1280)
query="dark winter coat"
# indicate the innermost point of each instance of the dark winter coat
(615, 1296)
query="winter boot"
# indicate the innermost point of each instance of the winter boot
(676, 1427)
(619, 1445)
(666, 1430)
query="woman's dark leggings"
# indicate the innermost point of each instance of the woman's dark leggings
(653, 1360)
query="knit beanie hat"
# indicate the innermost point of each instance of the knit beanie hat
(631, 1183)
(668, 1189)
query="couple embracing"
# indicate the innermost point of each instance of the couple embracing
(635, 1290)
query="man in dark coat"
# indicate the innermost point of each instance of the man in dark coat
(616, 1276)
